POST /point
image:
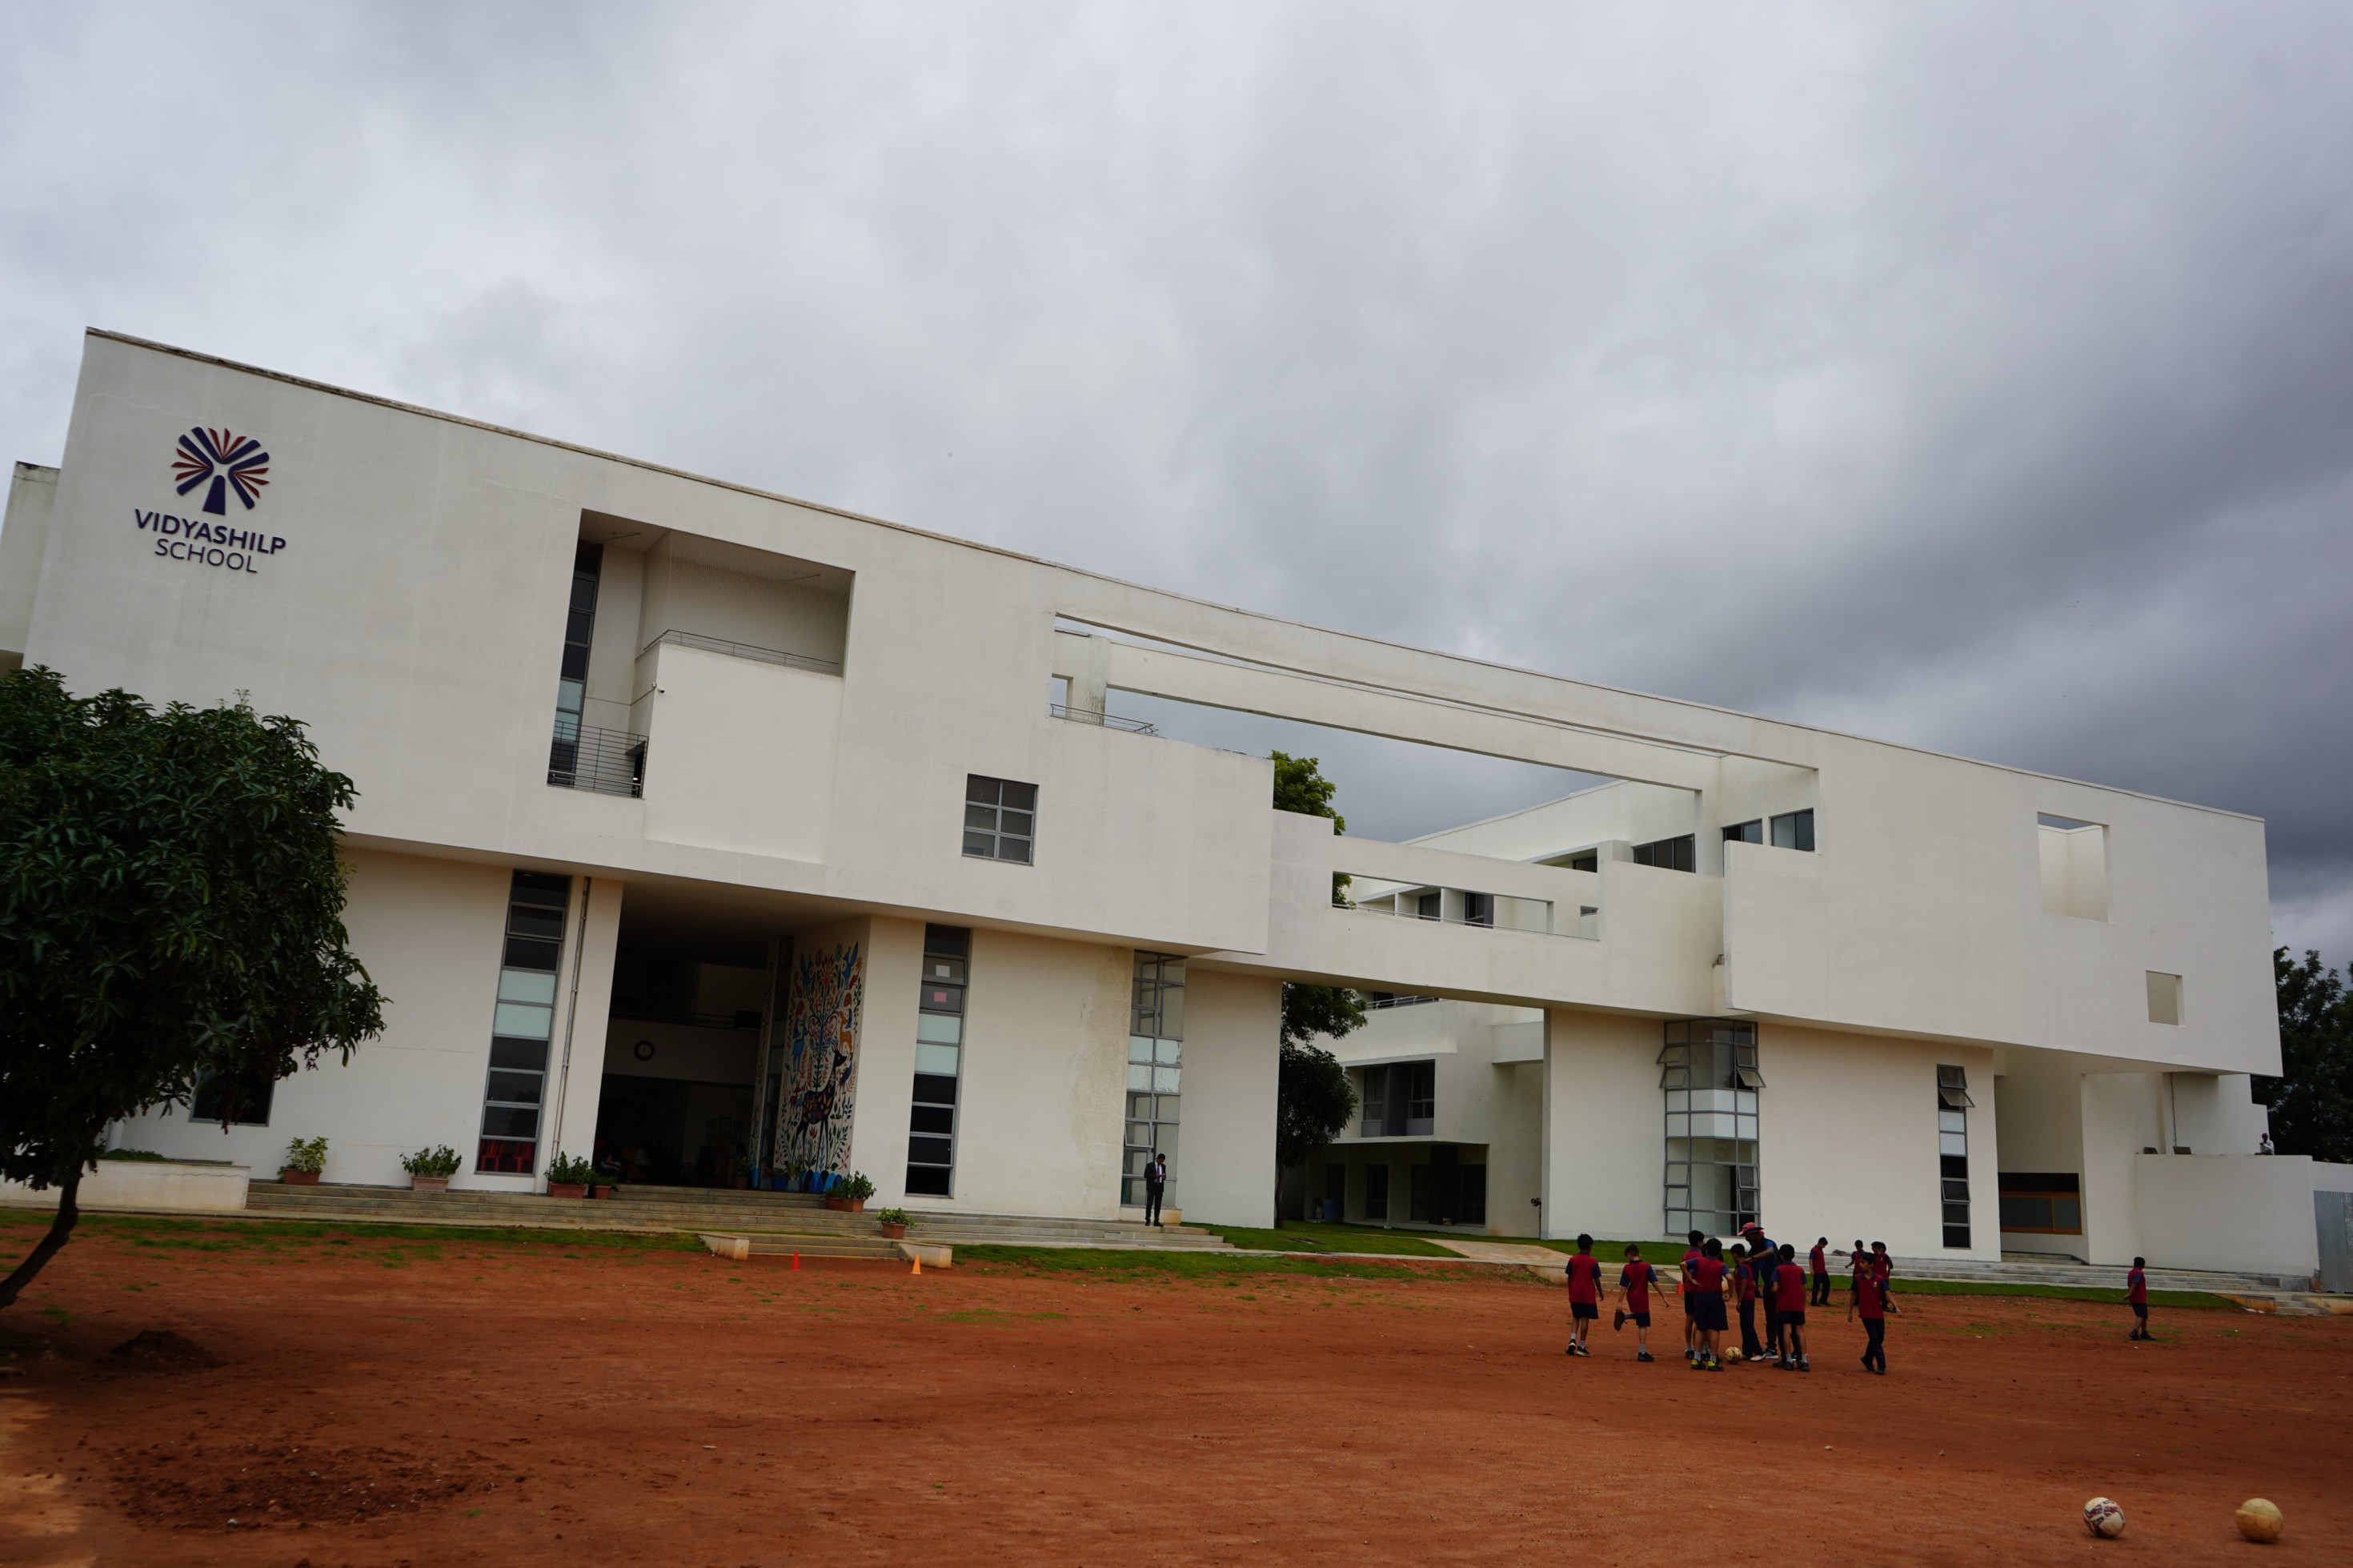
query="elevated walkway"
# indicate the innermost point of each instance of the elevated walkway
(799, 1221)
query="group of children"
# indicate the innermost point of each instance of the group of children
(1757, 1272)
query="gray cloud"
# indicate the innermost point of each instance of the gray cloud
(1977, 377)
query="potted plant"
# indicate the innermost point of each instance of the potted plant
(849, 1194)
(739, 1170)
(895, 1223)
(568, 1175)
(430, 1170)
(303, 1162)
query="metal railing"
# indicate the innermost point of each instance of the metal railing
(1108, 721)
(1374, 1001)
(743, 650)
(608, 761)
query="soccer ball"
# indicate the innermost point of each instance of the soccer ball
(1732, 1355)
(2259, 1520)
(2102, 1517)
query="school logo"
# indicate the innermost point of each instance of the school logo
(230, 462)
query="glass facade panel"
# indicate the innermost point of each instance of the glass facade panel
(521, 1023)
(939, 1060)
(1952, 1137)
(1709, 1078)
(1154, 1051)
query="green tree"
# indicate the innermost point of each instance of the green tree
(171, 907)
(2312, 1099)
(1313, 1098)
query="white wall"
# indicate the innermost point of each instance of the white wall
(1604, 1126)
(682, 1051)
(32, 492)
(1848, 1136)
(1226, 1135)
(2246, 1212)
(741, 753)
(736, 594)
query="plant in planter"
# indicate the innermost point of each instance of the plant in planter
(568, 1175)
(303, 1162)
(895, 1223)
(430, 1170)
(850, 1192)
(739, 1170)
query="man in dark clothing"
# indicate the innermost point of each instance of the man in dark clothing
(1761, 1247)
(1155, 1183)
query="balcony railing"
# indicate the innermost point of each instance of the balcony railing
(608, 761)
(743, 650)
(1107, 721)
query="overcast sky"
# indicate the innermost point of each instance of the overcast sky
(1972, 375)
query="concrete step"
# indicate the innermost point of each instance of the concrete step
(2018, 1270)
(687, 1208)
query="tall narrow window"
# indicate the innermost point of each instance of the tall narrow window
(1953, 1106)
(1708, 1069)
(522, 1024)
(1000, 818)
(1377, 1192)
(1155, 1051)
(939, 1061)
(572, 679)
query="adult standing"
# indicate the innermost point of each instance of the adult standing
(1762, 1248)
(1156, 1184)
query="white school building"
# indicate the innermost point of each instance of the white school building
(717, 835)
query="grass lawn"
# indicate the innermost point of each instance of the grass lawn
(1299, 1235)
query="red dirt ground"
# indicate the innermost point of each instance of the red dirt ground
(381, 1404)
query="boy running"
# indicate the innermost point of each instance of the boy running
(1789, 1284)
(2136, 1298)
(1635, 1281)
(1584, 1272)
(1871, 1306)
(1819, 1260)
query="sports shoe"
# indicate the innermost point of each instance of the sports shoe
(1645, 1356)
(1805, 1365)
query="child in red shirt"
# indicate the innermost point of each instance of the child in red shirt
(1635, 1281)
(1744, 1285)
(1819, 1260)
(2136, 1298)
(1706, 1276)
(1789, 1283)
(1691, 1326)
(1583, 1273)
(1872, 1307)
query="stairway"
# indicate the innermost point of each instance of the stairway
(799, 1217)
(2021, 1268)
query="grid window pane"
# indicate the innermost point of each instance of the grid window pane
(1016, 849)
(981, 844)
(939, 1027)
(934, 1059)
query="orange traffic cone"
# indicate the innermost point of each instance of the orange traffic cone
(918, 1268)
(796, 1260)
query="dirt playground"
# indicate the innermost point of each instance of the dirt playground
(335, 1401)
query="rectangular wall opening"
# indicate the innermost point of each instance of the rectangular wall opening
(2074, 863)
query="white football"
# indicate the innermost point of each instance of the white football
(2103, 1517)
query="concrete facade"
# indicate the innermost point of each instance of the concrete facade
(731, 734)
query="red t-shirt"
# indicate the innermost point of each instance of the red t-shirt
(1821, 1264)
(1705, 1275)
(1689, 1258)
(1869, 1301)
(1743, 1274)
(1634, 1280)
(1584, 1277)
(1790, 1281)
(2136, 1288)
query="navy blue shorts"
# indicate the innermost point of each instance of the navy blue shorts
(1584, 1309)
(1708, 1311)
(1793, 1318)
(1642, 1320)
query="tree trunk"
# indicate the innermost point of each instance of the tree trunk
(62, 1227)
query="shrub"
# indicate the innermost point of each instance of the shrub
(309, 1157)
(894, 1218)
(856, 1187)
(441, 1162)
(570, 1170)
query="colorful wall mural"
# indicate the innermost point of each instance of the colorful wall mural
(820, 1066)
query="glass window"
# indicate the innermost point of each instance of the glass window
(1668, 854)
(523, 1020)
(999, 819)
(939, 1061)
(1953, 1152)
(1794, 831)
(1154, 1050)
(1377, 1192)
(1709, 1073)
(248, 1106)
(1749, 832)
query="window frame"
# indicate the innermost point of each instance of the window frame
(987, 796)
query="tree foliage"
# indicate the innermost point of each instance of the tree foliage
(1313, 1098)
(2312, 1099)
(171, 907)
